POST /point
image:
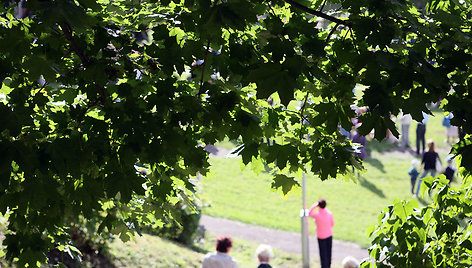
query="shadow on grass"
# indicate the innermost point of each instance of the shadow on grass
(371, 187)
(196, 248)
(379, 146)
(375, 163)
(423, 202)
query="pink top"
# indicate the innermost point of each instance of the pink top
(323, 220)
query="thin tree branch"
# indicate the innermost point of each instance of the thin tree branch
(331, 32)
(272, 10)
(322, 6)
(344, 37)
(203, 67)
(302, 110)
(317, 13)
(354, 41)
(68, 33)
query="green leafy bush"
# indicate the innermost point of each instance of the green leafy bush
(183, 228)
(438, 235)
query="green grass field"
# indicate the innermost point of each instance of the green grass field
(242, 195)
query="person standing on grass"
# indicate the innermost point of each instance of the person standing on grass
(324, 223)
(220, 258)
(429, 164)
(413, 172)
(450, 170)
(405, 122)
(420, 133)
(264, 254)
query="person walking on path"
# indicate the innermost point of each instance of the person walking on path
(264, 253)
(324, 223)
(220, 258)
(429, 164)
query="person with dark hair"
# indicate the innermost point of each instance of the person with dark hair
(450, 171)
(429, 161)
(324, 223)
(420, 133)
(220, 258)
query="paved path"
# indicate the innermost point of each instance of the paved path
(282, 240)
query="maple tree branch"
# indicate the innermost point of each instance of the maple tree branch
(354, 41)
(317, 13)
(331, 32)
(68, 33)
(302, 110)
(322, 6)
(203, 67)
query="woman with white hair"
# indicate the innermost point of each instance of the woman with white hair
(350, 262)
(264, 253)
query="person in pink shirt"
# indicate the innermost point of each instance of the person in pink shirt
(324, 230)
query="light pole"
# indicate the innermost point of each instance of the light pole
(305, 233)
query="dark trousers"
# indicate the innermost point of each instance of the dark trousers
(420, 132)
(325, 246)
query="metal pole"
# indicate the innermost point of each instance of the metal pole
(305, 233)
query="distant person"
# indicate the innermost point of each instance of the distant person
(324, 223)
(452, 132)
(421, 133)
(264, 253)
(350, 262)
(429, 163)
(450, 170)
(405, 122)
(357, 138)
(413, 172)
(220, 258)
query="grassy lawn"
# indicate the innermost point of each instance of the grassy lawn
(152, 251)
(242, 195)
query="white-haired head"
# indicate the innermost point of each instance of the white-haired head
(350, 262)
(264, 253)
(415, 163)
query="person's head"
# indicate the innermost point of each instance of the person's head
(350, 262)
(264, 253)
(322, 203)
(449, 160)
(224, 244)
(431, 146)
(415, 163)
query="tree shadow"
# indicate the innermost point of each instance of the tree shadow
(422, 201)
(379, 146)
(375, 163)
(370, 186)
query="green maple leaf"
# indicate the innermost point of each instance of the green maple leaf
(284, 182)
(271, 78)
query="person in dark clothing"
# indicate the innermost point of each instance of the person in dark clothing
(429, 164)
(413, 172)
(420, 136)
(264, 254)
(450, 171)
